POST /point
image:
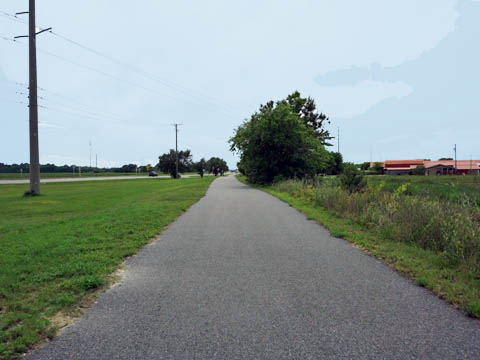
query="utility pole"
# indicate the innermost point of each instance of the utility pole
(176, 149)
(33, 101)
(338, 141)
(90, 145)
(455, 149)
(96, 161)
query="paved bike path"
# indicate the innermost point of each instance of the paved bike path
(242, 275)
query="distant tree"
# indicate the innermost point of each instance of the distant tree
(128, 168)
(377, 168)
(419, 170)
(445, 159)
(217, 166)
(167, 162)
(364, 166)
(335, 164)
(200, 167)
(352, 179)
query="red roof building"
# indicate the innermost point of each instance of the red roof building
(440, 167)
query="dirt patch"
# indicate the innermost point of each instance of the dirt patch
(63, 319)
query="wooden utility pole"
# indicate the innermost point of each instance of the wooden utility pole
(33, 101)
(176, 149)
(34, 149)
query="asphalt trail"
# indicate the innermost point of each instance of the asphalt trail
(242, 275)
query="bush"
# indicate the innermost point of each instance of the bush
(419, 170)
(351, 178)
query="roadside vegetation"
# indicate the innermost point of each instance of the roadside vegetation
(24, 168)
(445, 188)
(167, 163)
(426, 227)
(26, 176)
(57, 249)
(434, 242)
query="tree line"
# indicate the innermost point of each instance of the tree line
(167, 163)
(52, 168)
(215, 166)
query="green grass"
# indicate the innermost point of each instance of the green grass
(26, 176)
(456, 284)
(58, 248)
(448, 188)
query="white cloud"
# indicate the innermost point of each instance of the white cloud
(352, 100)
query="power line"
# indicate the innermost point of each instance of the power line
(89, 114)
(13, 101)
(79, 106)
(69, 110)
(203, 98)
(113, 115)
(101, 72)
(12, 17)
(72, 114)
(150, 76)
(6, 38)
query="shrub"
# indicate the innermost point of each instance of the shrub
(419, 170)
(351, 178)
(452, 230)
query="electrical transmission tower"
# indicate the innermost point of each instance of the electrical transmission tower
(33, 101)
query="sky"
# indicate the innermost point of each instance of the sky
(398, 79)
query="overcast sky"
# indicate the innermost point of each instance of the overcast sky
(400, 78)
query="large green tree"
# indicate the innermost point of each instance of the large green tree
(278, 143)
(167, 162)
(307, 111)
(217, 166)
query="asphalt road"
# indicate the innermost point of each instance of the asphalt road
(76, 179)
(242, 275)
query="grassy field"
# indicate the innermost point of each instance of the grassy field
(436, 246)
(16, 176)
(25, 176)
(449, 188)
(58, 248)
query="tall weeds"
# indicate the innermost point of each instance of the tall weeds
(452, 229)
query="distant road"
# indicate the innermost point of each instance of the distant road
(241, 275)
(97, 178)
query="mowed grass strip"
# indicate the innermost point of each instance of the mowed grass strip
(57, 248)
(26, 176)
